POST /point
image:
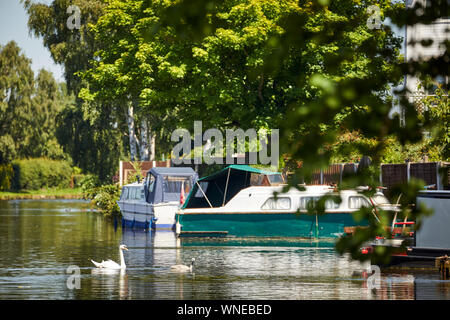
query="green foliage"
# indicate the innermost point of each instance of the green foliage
(105, 197)
(34, 174)
(47, 102)
(6, 176)
(7, 148)
(414, 152)
(83, 181)
(94, 146)
(16, 108)
(89, 182)
(137, 166)
(351, 147)
(437, 112)
(28, 108)
(71, 48)
(127, 71)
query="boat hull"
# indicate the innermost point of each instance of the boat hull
(165, 215)
(144, 215)
(136, 215)
(329, 225)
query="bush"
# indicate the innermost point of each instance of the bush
(105, 197)
(88, 183)
(6, 175)
(35, 174)
(84, 181)
(77, 180)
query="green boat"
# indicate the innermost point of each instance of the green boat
(240, 201)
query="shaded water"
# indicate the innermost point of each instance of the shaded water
(40, 239)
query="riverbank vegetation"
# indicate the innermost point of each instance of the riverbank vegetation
(51, 193)
(105, 197)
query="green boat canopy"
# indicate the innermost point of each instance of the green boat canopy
(217, 189)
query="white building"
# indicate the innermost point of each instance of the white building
(437, 31)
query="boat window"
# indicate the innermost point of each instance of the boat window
(255, 179)
(139, 195)
(124, 195)
(278, 204)
(173, 184)
(131, 193)
(357, 202)
(310, 203)
(151, 183)
(275, 179)
(204, 185)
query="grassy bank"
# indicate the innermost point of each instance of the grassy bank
(50, 193)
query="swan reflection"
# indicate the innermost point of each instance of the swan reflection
(110, 280)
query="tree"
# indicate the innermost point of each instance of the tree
(93, 145)
(436, 110)
(48, 101)
(228, 83)
(134, 77)
(73, 48)
(16, 89)
(237, 75)
(29, 108)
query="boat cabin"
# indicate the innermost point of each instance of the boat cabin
(164, 184)
(133, 192)
(152, 203)
(218, 189)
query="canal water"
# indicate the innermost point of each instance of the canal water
(44, 244)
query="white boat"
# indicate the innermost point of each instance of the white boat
(136, 212)
(154, 202)
(240, 202)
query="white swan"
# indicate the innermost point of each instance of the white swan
(182, 267)
(109, 264)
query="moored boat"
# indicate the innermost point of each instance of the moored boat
(154, 202)
(240, 201)
(424, 247)
(136, 212)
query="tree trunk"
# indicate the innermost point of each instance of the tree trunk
(152, 146)
(131, 130)
(144, 148)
